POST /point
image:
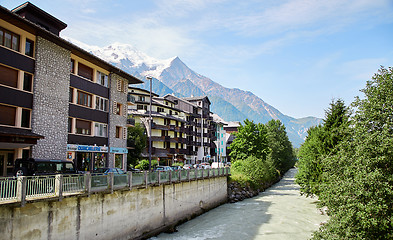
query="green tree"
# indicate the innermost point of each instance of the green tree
(137, 141)
(359, 187)
(321, 143)
(281, 150)
(309, 175)
(251, 140)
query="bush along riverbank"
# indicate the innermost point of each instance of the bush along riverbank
(260, 155)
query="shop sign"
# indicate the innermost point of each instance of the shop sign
(86, 148)
(118, 150)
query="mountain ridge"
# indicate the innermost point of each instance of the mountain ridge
(173, 76)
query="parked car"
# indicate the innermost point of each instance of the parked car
(217, 165)
(204, 165)
(187, 166)
(36, 167)
(109, 170)
(163, 168)
(175, 168)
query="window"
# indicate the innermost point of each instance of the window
(29, 49)
(28, 82)
(159, 109)
(85, 71)
(8, 76)
(84, 99)
(9, 39)
(118, 109)
(71, 95)
(118, 132)
(83, 127)
(72, 66)
(102, 79)
(101, 130)
(118, 160)
(25, 121)
(141, 98)
(69, 125)
(139, 107)
(102, 104)
(7, 116)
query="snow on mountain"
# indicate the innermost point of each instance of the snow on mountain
(173, 76)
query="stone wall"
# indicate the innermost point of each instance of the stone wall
(50, 100)
(117, 120)
(134, 214)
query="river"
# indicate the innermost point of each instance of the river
(278, 213)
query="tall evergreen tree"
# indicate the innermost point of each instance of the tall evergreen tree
(281, 150)
(136, 139)
(359, 187)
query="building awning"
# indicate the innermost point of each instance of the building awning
(17, 137)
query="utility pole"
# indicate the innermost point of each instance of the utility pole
(150, 78)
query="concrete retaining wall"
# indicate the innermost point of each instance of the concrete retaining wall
(122, 215)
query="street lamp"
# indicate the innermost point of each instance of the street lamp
(150, 78)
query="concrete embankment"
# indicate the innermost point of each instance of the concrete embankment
(124, 214)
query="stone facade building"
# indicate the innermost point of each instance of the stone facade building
(57, 101)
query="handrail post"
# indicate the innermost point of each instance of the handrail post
(146, 178)
(170, 176)
(59, 186)
(188, 174)
(88, 183)
(110, 181)
(21, 190)
(159, 177)
(129, 180)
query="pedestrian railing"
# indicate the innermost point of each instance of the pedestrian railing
(22, 189)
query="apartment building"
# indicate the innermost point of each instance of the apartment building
(168, 133)
(57, 101)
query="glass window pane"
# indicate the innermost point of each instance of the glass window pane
(1, 37)
(29, 49)
(25, 118)
(15, 42)
(7, 39)
(27, 82)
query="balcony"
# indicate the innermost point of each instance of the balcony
(172, 127)
(131, 121)
(130, 98)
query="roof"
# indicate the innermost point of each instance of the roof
(28, 7)
(38, 30)
(197, 98)
(181, 99)
(18, 132)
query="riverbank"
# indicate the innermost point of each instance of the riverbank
(280, 212)
(238, 192)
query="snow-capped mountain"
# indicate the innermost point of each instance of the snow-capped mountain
(173, 76)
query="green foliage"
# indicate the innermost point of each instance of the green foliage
(281, 150)
(137, 140)
(144, 164)
(255, 171)
(321, 143)
(310, 155)
(178, 164)
(260, 153)
(358, 186)
(251, 140)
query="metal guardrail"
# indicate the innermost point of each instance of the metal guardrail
(22, 189)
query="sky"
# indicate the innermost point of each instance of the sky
(296, 55)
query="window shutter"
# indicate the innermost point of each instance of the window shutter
(114, 107)
(125, 110)
(124, 133)
(119, 82)
(125, 86)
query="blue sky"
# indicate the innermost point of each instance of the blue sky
(296, 55)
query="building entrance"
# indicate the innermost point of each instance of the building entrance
(6, 162)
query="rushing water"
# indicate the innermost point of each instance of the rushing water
(278, 213)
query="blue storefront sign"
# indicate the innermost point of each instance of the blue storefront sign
(86, 148)
(118, 150)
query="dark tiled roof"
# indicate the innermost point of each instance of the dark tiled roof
(18, 132)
